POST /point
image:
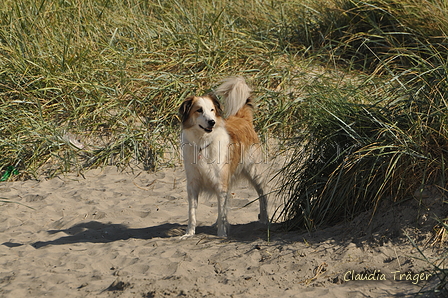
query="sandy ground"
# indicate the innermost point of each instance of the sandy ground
(114, 234)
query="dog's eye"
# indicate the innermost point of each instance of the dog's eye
(199, 110)
(212, 110)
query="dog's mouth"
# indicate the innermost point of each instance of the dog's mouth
(206, 129)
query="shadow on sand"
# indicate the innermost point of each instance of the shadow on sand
(98, 232)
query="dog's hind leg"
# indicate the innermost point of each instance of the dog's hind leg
(193, 195)
(257, 181)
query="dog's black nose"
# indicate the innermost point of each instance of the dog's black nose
(211, 123)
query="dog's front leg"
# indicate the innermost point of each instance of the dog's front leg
(223, 224)
(192, 206)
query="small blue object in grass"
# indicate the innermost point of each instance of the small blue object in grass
(9, 170)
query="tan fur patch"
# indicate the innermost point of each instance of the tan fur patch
(242, 135)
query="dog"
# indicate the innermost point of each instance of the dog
(219, 148)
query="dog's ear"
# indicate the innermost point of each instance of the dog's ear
(185, 108)
(216, 102)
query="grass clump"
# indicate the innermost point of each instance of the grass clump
(359, 147)
(379, 136)
(91, 83)
(379, 131)
(369, 34)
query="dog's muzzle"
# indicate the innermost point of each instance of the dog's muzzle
(211, 124)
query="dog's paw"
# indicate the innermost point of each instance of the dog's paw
(186, 236)
(222, 234)
(223, 230)
(263, 219)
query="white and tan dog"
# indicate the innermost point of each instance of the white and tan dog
(219, 150)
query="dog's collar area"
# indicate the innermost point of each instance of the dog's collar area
(206, 129)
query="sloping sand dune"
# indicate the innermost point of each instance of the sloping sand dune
(113, 234)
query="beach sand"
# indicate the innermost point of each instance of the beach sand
(116, 234)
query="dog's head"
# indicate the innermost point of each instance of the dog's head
(202, 112)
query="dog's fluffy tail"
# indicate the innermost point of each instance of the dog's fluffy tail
(235, 93)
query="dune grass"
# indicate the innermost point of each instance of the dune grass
(381, 130)
(92, 83)
(89, 83)
(378, 130)
(359, 88)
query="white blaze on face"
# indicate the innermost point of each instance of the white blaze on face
(205, 112)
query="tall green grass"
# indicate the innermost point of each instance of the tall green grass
(89, 83)
(378, 129)
(379, 134)
(361, 144)
(112, 73)
(360, 87)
